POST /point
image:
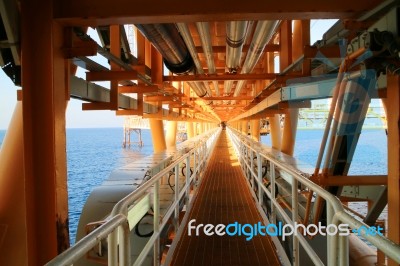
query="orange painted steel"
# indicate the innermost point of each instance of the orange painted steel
(393, 117)
(81, 12)
(13, 228)
(44, 104)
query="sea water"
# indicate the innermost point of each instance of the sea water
(93, 153)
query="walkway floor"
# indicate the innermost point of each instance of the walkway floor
(224, 198)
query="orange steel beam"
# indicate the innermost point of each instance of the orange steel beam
(138, 89)
(263, 76)
(115, 49)
(227, 105)
(222, 98)
(315, 53)
(393, 118)
(129, 112)
(222, 49)
(156, 66)
(113, 75)
(162, 98)
(267, 113)
(298, 104)
(44, 105)
(355, 180)
(96, 106)
(141, 56)
(82, 12)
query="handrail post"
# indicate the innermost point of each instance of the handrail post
(188, 177)
(344, 250)
(260, 181)
(252, 167)
(125, 249)
(156, 229)
(295, 210)
(330, 243)
(273, 192)
(176, 200)
(113, 248)
(195, 167)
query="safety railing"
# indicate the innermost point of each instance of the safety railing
(337, 245)
(124, 216)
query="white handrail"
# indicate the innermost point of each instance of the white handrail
(337, 245)
(116, 228)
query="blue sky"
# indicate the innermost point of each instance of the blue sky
(76, 118)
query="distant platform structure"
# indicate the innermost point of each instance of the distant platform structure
(133, 125)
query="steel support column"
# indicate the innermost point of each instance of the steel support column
(255, 129)
(393, 118)
(291, 118)
(13, 250)
(170, 138)
(275, 131)
(157, 134)
(245, 127)
(189, 130)
(289, 131)
(45, 76)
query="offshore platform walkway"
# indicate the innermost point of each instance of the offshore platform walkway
(224, 198)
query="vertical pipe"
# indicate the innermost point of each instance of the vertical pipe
(12, 194)
(170, 139)
(189, 130)
(289, 131)
(157, 134)
(45, 84)
(393, 118)
(255, 129)
(275, 131)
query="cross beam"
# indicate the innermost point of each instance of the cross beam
(94, 12)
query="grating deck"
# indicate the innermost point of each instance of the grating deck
(224, 198)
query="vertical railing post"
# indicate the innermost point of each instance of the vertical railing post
(176, 217)
(260, 181)
(295, 210)
(156, 207)
(124, 242)
(330, 245)
(195, 167)
(344, 250)
(113, 248)
(252, 167)
(273, 192)
(187, 180)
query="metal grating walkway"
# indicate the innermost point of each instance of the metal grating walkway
(224, 198)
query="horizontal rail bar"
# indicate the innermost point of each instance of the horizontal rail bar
(79, 250)
(388, 247)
